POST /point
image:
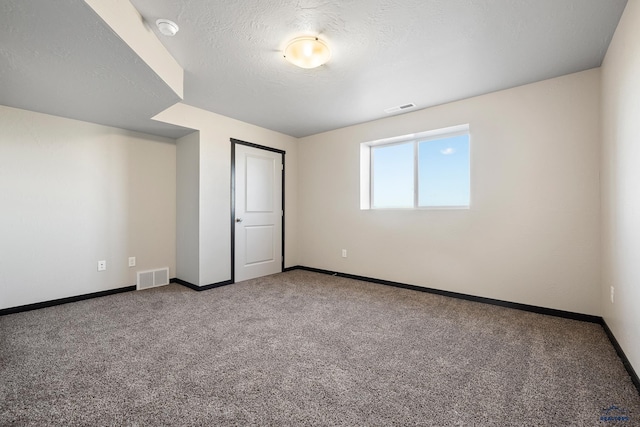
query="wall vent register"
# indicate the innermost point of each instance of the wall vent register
(152, 278)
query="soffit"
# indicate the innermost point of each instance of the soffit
(59, 57)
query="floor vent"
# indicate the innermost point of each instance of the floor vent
(152, 278)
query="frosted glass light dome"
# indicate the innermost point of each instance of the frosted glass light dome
(307, 52)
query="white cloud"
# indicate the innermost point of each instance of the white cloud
(447, 151)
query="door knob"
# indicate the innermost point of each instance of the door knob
(238, 219)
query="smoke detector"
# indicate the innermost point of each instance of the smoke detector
(167, 27)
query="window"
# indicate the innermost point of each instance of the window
(426, 170)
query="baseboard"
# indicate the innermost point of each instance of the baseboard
(501, 303)
(524, 307)
(51, 303)
(200, 288)
(625, 361)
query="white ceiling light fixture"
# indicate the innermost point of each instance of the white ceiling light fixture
(307, 52)
(167, 27)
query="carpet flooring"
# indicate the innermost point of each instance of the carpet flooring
(301, 348)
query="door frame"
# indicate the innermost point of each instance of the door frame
(234, 142)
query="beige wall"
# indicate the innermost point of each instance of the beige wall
(621, 183)
(532, 233)
(214, 199)
(80, 192)
(73, 193)
(187, 208)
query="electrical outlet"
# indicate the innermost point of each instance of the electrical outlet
(344, 253)
(132, 261)
(102, 265)
(612, 293)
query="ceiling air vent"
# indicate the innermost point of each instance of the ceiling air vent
(400, 108)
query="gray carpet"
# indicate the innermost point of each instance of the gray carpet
(301, 348)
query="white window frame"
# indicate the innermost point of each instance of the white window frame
(366, 164)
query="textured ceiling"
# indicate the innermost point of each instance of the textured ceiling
(385, 53)
(59, 57)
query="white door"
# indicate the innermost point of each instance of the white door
(258, 212)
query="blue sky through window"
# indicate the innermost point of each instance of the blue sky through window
(393, 176)
(443, 174)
